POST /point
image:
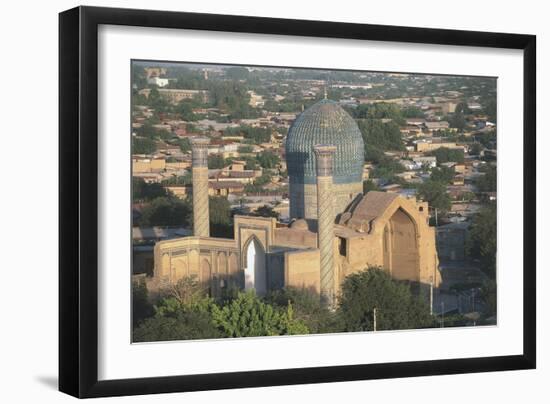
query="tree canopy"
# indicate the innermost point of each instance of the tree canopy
(142, 191)
(380, 136)
(267, 211)
(268, 159)
(166, 211)
(142, 145)
(482, 239)
(248, 316)
(397, 308)
(442, 174)
(216, 161)
(435, 193)
(488, 181)
(446, 155)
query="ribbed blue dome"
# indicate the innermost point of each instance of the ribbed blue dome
(325, 122)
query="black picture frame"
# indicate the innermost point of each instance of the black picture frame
(78, 201)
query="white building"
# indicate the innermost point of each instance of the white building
(429, 161)
(157, 81)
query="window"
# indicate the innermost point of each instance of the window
(342, 246)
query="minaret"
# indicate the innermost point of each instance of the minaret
(324, 156)
(201, 222)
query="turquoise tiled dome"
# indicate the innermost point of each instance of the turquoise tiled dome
(325, 122)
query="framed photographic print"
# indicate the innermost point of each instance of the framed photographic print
(250, 201)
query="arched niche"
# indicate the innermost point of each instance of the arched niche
(222, 263)
(400, 247)
(179, 268)
(206, 275)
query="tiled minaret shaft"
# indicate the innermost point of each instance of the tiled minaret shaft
(201, 221)
(324, 157)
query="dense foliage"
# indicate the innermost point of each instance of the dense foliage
(143, 191)
(482, 239)
(268, 159)
(487, 182)
(143, 145)
(216, 161)
(248, 316)
(435, 193)
(397, 308)
(186, 312)
(445, 155)
(254, 134)
(442, 174)
(166, 211)
(221, 221)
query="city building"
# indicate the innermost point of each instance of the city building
(154, 71)
(158, 81)
(174, 95)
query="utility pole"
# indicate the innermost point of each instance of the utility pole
(374, 313)
(431, 296)
(442, 314)
(435, 217)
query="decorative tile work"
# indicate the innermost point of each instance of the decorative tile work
(323, 123)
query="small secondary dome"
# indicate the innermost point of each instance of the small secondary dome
(325, 122)
(299, 224)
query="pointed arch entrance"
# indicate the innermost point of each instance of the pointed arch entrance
(255, 275)
(400, 246)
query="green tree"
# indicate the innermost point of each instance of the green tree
(369, 185)
(482, 239)
(185, 145)
(446, 155)
(186, 179)
(486, 138)
(221, 222)
(489, 296)
(442, 174)
(435, 193)
(487, 182)
(255, 135)
(268, 159)
(237, 73)
(143, 145)
(166, 211)
(412, 112)
(397, 308)
(184, 325)
(248, 316)
(245, 149)
(267, 211)
(381, 110)
(157, 102)
(141, 308)
(186, 291)
(258, 185)
(475, 149)
(387, 168)
(185, 110)
(147, 130)
(307, 308)
(216, 161)
(457, 120)
(142, 191)
(380, 135)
